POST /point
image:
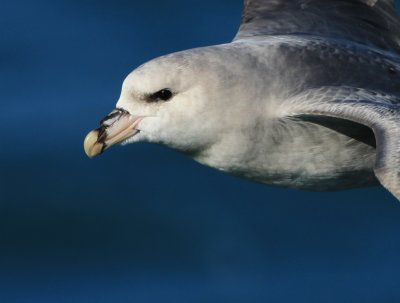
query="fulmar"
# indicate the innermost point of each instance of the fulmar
(307, 96)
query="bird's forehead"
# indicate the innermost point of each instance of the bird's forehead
(171, 71)
(174, 61)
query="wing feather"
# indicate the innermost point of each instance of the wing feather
(373, 22)
(378, 111)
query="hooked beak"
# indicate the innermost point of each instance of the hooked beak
(116, 127)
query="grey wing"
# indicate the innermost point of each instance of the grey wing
(378, 111)
(373, 22)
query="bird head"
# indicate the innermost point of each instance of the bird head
(175, 100)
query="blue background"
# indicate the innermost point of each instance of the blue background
(144, 223)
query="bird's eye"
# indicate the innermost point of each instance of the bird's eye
(162, 95)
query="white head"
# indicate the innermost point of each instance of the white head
(180, 100)
(174, 95)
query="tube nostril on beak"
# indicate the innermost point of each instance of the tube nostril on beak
(113, 117)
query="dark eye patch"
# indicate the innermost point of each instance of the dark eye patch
(162, 95)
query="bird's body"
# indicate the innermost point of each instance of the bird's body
(292, 104)
(312, 153)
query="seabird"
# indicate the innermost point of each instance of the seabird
(306, 96)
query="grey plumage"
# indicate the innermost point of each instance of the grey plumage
(359, 44)
(365, 21)
(306, 96)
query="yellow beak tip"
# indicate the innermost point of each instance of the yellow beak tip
(91, 144)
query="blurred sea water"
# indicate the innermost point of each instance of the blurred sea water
(144, 223)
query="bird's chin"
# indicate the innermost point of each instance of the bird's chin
(133, 139)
